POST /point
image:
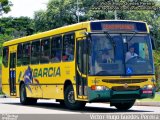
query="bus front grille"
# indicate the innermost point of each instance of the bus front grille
(123, 81)
(122, 88)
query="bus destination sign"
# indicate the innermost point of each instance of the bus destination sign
(127, 27)
(118, 26)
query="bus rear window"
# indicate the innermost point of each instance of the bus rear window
(5, 56)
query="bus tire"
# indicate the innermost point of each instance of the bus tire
(23, 95)
(70, 101)
(62, 102)
(124, 105)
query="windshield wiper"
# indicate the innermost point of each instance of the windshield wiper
(132, 37)
(110, 38)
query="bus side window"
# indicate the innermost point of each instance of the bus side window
(35, 52)
(45, 51)
(26, 53)
(68, 47)
(56, 49)
(5, 56)
(19, 54)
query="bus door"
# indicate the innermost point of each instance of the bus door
(12, 74)
(81, 77)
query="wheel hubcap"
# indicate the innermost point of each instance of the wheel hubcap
(71, 97)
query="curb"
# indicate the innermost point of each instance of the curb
(138, 103)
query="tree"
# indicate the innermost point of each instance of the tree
(58, 13)
(16, 27)
(5, 6)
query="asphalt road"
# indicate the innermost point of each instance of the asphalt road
(13, 106)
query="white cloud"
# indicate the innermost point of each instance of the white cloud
(26, 7)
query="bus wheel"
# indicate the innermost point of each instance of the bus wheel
(124, 105)
(70, 101)
(23, 96)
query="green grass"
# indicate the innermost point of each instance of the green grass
(155, 99)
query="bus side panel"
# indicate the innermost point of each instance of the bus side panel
(6, 89)
(58, 73)
(5, 80)
(53, 91)
(47, 79)
(20, 73)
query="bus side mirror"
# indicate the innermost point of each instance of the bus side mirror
(153, 43)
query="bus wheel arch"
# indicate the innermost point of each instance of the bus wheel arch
(66, 84)
(69, 98)
(23, 95)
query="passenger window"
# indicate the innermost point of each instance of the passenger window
(26, 53)
(56, 49)
(35, 52)
(5, 56)
(68, 47)
(45, 51)
(19, 54)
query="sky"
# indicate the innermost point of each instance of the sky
(26, 7)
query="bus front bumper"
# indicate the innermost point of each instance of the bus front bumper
(109, 95)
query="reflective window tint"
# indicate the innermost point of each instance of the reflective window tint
(5, 56)
(26, 53)
(56, 49)
(35, 52)
(19, 54)
(68, 47)
(45, 51)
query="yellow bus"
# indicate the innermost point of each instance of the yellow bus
(94, 61)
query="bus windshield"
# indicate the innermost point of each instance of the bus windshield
(120, 54)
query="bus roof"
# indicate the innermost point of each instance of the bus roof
(57, 31)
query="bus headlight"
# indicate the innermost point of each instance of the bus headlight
(99, 88)
(148, 87)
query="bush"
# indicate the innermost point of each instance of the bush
(157, 68)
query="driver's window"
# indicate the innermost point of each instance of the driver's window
(132, 51)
